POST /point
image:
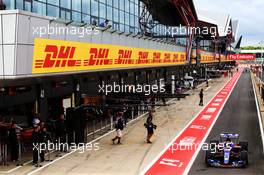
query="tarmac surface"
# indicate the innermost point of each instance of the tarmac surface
(238, 116)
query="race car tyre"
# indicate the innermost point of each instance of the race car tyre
(244, 145)
(244, 156)
(208, 155)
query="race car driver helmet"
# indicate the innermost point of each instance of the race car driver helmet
(228, 139)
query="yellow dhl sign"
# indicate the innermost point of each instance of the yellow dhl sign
(52, 56)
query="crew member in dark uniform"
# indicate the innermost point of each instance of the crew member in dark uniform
(150, 128)
(13, 142)
(35, 142)
(42, 139)
(201, 97)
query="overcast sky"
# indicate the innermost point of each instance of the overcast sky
(250, 14)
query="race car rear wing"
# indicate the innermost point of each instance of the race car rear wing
(228, 135)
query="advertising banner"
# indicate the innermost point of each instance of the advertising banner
(242, 57)
(51, 56)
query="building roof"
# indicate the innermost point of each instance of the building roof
(235, 26)
(169, 12)
(221, 20)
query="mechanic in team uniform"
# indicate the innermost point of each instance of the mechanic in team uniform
(150, 127)
(201, 97)
(119, 125)
(14, 147)
(42, 139)
(35, 142)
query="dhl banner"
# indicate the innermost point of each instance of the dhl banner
(52, 56)
(208, 57)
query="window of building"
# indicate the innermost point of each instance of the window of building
(10, 4)
(122, 14)
(76, 16)
(132, 20)
(127, 6)
(110, 2)
(122, 17)
(116, 15)
(53, 2)
(44, 1)
(86, 7)
(94, 7)
(66, 4)
(122, 4)
(115, 26)
(102, 10)
(126, 28)
(127, 18)
(86, 18)
(132, 29)
(76, 5)
(109, 13)
(116, 3)
(132, 8)
(65, 13)
(39, 7)
(28, 5)
(53, 11)
(122, 27)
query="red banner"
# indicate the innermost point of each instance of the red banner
(242, 57)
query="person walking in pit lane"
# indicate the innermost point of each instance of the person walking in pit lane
(201, 97)
(150, 127)
(119, 125)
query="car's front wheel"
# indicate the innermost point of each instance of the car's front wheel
(244, 157)
(208, 155)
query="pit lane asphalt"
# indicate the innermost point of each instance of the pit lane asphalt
(239, 115)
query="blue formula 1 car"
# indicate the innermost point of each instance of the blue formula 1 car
(227, 152)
